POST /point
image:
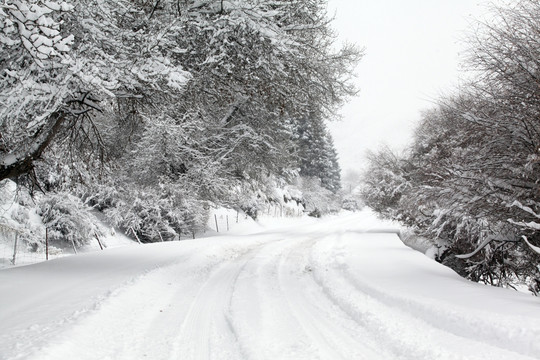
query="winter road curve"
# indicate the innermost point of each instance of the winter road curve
(340, 288)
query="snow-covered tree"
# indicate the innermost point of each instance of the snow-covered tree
(316, 153)
(200, 96)
(63, 63)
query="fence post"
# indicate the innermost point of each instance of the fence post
(15, 248)
(227, 222)
(237, 213)
(74, 247)
(46, 243)
(135, 234)
(217, 227)
(99, 241)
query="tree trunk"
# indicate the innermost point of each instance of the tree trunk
(21, 162)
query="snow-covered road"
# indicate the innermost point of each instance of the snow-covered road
(338, 288)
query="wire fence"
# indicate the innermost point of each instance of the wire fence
(13, 249)
(8, 245)
(225, 222)
(290, 209)
(16, 251)
(222, 222)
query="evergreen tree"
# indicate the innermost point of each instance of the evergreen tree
(316, 153)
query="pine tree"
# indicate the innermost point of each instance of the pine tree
(316, 153)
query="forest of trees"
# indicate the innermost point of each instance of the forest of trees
(471, 177)
(150, 111)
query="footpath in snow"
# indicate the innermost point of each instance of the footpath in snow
(338, 288)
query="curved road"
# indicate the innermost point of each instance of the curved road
(336, 289)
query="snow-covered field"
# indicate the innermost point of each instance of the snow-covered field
(339, 288)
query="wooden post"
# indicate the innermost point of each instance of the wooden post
(217, 227)
(74, 248)
(237, 213)
(15, 248)
(98, 241)
(135, 234)
(227, 222)
(46, 243)
(193, 233)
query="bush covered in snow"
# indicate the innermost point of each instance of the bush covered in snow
(470, 176)
(68, 219)
(316, 199)
(17, 214)
(150, 214)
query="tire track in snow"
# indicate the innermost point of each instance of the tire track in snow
(393, 325)
(280, 312)
(144, 320)
(207, 331)
(335, 333)
(133, 323)
(456, 323)
(259, 310)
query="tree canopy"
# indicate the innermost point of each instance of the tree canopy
(187, 101)
(470, 177)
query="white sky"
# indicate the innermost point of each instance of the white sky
(412, 56)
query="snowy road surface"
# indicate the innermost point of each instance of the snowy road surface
(338, 288)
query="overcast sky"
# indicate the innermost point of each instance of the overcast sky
(412, 56)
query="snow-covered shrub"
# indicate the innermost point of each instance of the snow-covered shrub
(68, 219)
(351, 202)
(17, 212)
(153, 215)
(250, 207)
(317, 200)
(252, 196)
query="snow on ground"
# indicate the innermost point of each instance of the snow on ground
(343, 287)
(228, 220)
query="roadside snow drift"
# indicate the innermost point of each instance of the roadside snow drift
(338, 288)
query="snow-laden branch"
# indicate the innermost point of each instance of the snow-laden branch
(536, 249)
(530, 225)
(525, 208)
(483, 245)
(33, 26)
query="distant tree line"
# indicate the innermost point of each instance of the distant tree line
(149, 110)
(471, 177)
